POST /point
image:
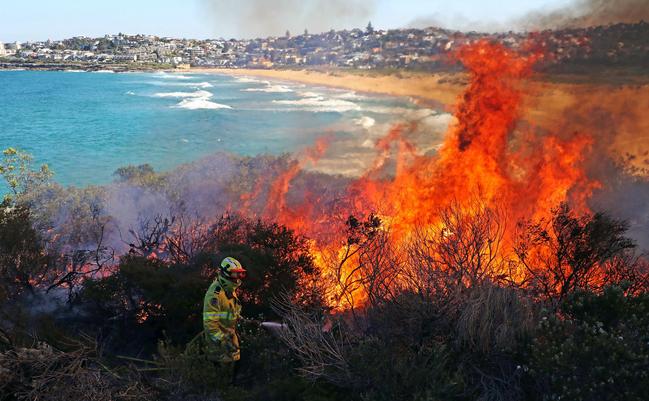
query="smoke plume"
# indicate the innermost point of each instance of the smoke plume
(261, 18)
(456, 22)
(586, 13)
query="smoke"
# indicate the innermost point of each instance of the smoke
(586, 13)
(614, 117)
(261, 18)
(456, 22)
(578, 14)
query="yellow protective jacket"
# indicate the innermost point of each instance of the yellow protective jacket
(221, 310)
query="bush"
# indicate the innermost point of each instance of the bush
(404, 370)
(441, 318)
(568, 253)
(144, 300)
(22, 261)
(597, 348)
(266, 372)
(277, 260)
(148, 296)
(493, 327)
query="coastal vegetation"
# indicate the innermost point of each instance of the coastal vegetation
(97, 302)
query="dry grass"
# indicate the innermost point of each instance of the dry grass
(42, 372)
(494, 318)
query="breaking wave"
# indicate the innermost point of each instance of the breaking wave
(309, 94)
(365, 122)
(251, 80)
(197, 100)
(269, 89)
(350, 96)
(200, 103)
(320, 104)
(198, 94)
(185, 84)
(173, 76)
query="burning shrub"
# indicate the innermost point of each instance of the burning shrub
(444, 329)
(411, 347)
(447, 311)
(568, 253)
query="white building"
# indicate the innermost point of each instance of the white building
(3, 52)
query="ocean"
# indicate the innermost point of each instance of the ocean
(85, 125)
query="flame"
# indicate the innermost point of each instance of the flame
(276, 205)
(485, 156)
(489, 161)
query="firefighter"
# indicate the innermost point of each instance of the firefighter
(221, 311)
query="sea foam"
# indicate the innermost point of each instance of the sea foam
(172, 76)
(184, 84)
(269, 89)
(252, 80)
(365, 122)
(200, 103)
(309, 94)
(197, 94)
(350, 96)
(320, 104)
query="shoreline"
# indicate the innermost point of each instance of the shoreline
(435, 89)
(549, 100)
(547, 103)
(84, 67)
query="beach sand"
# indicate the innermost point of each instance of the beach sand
(613, 113)
(438, 89)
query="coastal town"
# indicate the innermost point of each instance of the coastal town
(367, 48)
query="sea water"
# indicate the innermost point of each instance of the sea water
(85, 125)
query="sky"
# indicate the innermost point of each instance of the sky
(32, 20)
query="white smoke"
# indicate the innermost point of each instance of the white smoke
(262, 18)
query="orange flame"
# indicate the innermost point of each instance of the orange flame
(485, 155)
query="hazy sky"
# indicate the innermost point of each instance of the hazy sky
(56, 19)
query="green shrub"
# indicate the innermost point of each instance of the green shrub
(143, 300)
(266, 372)
(403, 370)
(23, 263)
(596, 348)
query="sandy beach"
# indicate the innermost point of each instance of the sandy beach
(438, 89)
(592, 108)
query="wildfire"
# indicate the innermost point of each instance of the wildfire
(485, 156)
